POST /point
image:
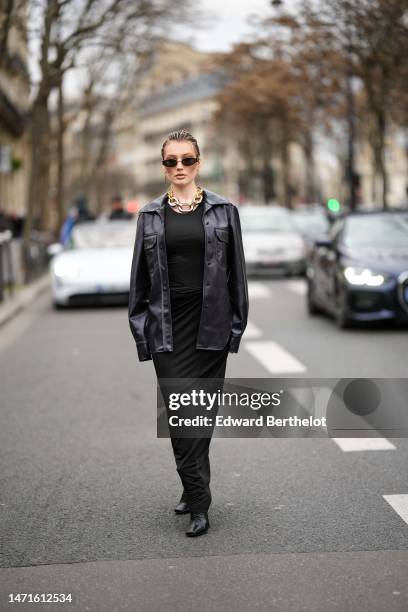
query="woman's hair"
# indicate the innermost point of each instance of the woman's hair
(181, 135)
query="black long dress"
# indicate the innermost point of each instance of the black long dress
(185, 255)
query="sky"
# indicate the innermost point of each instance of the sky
(229, 22)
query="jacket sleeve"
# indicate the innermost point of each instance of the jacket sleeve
(139, 294)
(237, 281)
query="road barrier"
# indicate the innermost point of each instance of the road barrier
(6, 265)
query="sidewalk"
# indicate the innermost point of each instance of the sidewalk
(368, 581)
(23, 296)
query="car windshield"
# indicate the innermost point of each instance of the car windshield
(268, 221)
(311, 222)
(385, 230)
(103, 235)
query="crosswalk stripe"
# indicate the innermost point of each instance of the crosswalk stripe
(274, 358)
(252, 331)
(297, 286)
(400, 505)
(363, 444)
(257, 289)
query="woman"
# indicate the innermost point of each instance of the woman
(188, 300)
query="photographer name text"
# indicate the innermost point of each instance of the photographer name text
(260, 421)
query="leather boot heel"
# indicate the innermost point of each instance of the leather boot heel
(199, 524)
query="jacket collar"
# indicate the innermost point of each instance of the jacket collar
(210, 199)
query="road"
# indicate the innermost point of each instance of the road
(87, 489)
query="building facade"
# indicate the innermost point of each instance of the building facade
(14, 107)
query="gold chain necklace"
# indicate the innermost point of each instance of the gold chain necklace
(185, 207)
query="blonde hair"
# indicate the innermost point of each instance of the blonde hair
(181, 135)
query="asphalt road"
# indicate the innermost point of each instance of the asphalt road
(87, 489)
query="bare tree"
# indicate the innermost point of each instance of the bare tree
(65, 31)
(373, 37)
(329, 63)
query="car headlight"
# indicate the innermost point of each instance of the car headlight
(363, 276)
(66, 270)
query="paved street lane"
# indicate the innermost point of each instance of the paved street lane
(85, 481)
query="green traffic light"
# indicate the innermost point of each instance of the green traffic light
(333, 205)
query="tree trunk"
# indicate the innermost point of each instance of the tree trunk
(267, 171)
(101, 161)
(378, 105)
(308, 149)
(60, 156)
(381, 157)
(246, 175)
(40, 161)
(6, 9)
(284, 155)
(351, 137)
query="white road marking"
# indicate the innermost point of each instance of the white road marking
(252, 331)
(400, 505)
(257, 289)
(363, 444)
(314, 401)
(297, 286)
(274, 358)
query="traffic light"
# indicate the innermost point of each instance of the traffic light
(333, 205)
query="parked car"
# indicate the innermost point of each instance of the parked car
(271, 241)
(311, 223)
(360, 272)
(95, 267)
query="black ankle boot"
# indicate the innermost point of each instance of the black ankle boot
(182, 507)
(199, 524)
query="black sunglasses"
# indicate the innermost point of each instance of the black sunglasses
(186, 161)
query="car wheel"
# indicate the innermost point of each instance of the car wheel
(341, 314)
(58, 306)
(312, 307)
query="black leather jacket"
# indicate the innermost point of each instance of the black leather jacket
(225, 290)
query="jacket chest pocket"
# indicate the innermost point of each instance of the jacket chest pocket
(149, 245)
(221, 245)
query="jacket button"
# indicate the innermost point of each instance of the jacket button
(207, 222)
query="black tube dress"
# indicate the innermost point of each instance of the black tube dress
(185, 255)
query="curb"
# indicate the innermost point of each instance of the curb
(13, 305)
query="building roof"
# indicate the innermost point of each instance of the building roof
(205, 85)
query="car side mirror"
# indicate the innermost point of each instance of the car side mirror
(54, 248)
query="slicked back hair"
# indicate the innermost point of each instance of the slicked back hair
(181, 135)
